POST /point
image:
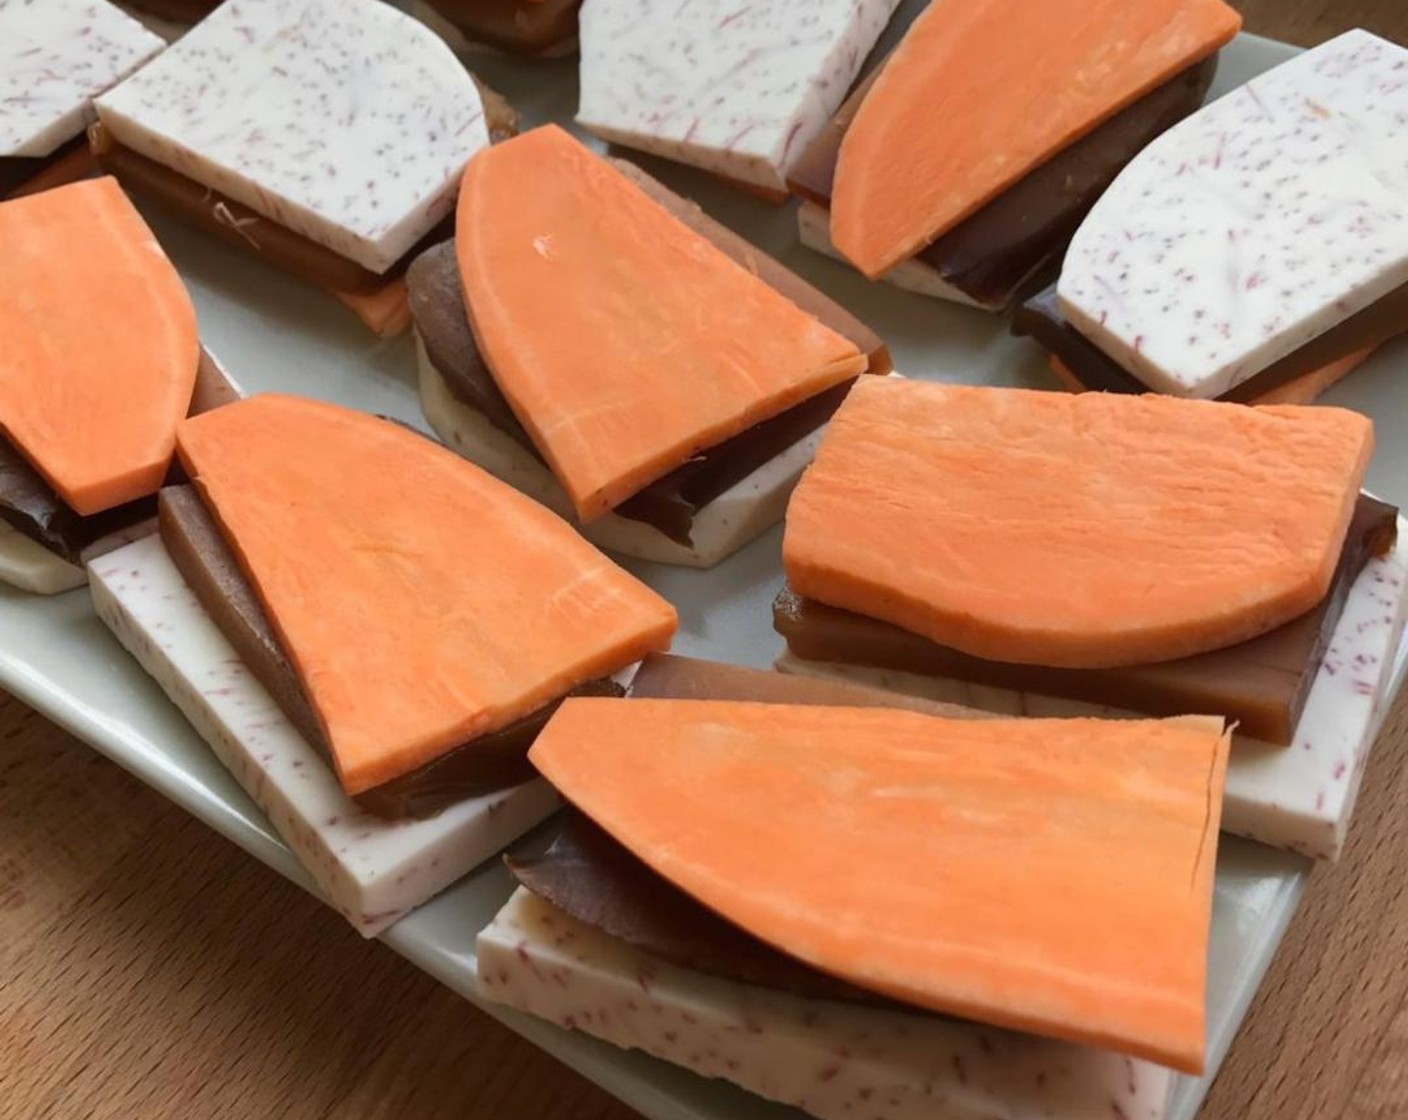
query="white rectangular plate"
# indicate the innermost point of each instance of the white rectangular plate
(275, 333)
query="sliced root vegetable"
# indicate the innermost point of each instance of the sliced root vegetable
(345, 121)
(100, 349)
(776, 275)
(1254, 228)
(373, 871)
(624, 341)
(979, 93)
(1053, 876)
(421, 601)
(1081, 531)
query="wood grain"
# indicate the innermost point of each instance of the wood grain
(150, 969)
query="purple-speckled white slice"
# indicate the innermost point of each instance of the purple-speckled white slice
(1299, 797)
(837, 1062)
(735, 88)
(373, 871)
(344, 120)
(913, 275)
(55, 57)
(1252, 226)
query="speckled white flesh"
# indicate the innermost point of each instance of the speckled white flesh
(55, 57)
(1252, 226)
(913, 275)
(344, 120)
(1300, 797)
(836, 1061)
(721, 528)
(373, 871)
(737, 89)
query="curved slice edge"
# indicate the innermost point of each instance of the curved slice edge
(488, 606)
(927, 504)
(674, 345)
(979, 92)
(1205, 262)
(101, 356)
(398, 136)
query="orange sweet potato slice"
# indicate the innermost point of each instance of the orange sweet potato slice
(99, 352)
(624, 341)
(421, 601)
(1078, 530)
(979, 92)
(1052, 876)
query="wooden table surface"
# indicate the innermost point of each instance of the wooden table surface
(150, 969)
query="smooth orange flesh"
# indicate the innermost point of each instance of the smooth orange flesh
(979, 92)
(98, 344)
(624, 341)
(1300, 390)
(1077, 530)
(421, 601)
(1052, 876)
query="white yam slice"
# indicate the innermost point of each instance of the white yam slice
(1252, 226)
(344, 120)
(735, 88)
(55, 57)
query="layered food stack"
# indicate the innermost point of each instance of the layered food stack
(100, 362)
(856, 908)
(1256, 252)
(962, 166)
(604, 346)
(1049, 554)
(387, 745)
(326, 137)
(957, 857)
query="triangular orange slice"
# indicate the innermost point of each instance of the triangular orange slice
(1083, 531)
(980, 92)
(98, 344)
(422, 602)
(624, 341)
(1052, 876)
